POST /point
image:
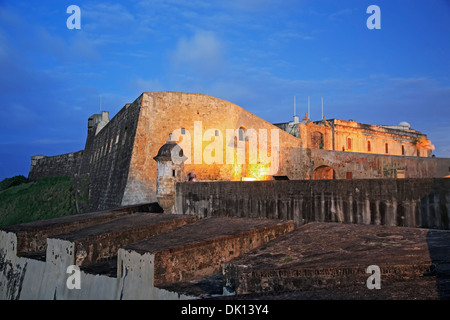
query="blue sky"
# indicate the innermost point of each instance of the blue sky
(258, 54)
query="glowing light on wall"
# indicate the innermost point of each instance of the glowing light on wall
(236, 170)
(259, 171)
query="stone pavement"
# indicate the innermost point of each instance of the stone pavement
(328, 261)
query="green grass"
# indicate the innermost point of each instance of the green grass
(38, 200)
(287, 259)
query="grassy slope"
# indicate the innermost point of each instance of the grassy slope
(42, 199)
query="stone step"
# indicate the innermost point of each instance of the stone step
(101, 241)
(32, 236)
(199, 249)
(338, 258)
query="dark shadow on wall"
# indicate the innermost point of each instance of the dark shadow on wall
(439, 249)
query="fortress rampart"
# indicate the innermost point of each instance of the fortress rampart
(55, 166)
(117, 161)
(391, 202)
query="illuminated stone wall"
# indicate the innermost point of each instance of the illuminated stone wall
(223, 141)
(368, 166)
(199, 117)
(351, 136)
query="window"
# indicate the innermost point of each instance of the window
(349, 143)
(183, 130)
(216, 133)
(349, 175)
(173, 173)
(317, 140)
(368, 146)
(403, 150)
(386, 146)
(242, 134)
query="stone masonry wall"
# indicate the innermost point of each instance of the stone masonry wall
(56, 166)
(107, 158)
(119, 168)
(393, 202)
(163, 113)
(366, 166)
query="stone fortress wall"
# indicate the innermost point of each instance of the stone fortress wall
(422, 203)
(56, 166)
(118, 163)
(133, 252)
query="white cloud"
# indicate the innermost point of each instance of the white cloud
(340, 15)
(202, 53)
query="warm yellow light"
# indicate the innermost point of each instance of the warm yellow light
(258, 171)
(236, 170)
(248, 179)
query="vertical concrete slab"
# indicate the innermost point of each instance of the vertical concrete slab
(60, 255)
(10, 278)
(136, 273)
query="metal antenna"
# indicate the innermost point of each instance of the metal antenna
(309, 109)
(294, 107)
(322, 107)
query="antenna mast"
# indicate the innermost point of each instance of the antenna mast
(322, 107)
(309, 109)
(294, 107)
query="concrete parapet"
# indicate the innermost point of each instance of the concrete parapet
(175, 248)
(391, 202)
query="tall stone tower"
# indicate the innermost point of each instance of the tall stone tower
(169, 170)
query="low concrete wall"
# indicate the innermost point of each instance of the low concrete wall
(32, 236)
(29, 279)
(394, 202)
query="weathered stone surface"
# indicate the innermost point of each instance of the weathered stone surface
(32, 236)
(118, 156)
(315, 261)
(199, 249)
(101, 241)
(55, 166)
(331, 255)
(392, 202)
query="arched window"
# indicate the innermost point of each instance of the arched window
(369, 147)
(242, 134)
(317, 140)
(403, 150)
(386, 146)
(349, 143)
